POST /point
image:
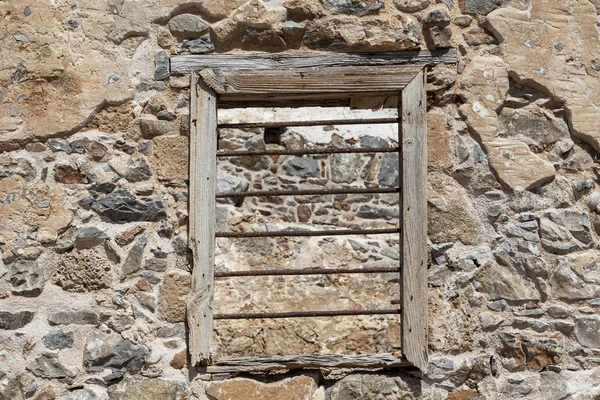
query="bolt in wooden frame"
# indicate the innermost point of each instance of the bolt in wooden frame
(230, 87)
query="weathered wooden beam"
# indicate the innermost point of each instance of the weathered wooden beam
(202, 203)
(267, 363)
(187, 63)
(283, 84)
(413, 215)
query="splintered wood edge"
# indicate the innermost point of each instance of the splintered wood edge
(269, 363)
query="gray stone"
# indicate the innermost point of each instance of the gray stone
(411, 5)
(374, 142)
(483, 7)
(80, 317)
(170, 331)
(531, 323)
(15, 320)
(121, 206)
(162, 66)
(388, 170)
(230, 183)
(50, 368)
(156, 264)
(558, 312)
(302, 166)
(368, 211)
(354, 7)
(147, 300)
(503, 282)
(59, 340)
(80, 394)
(16, 166)
(463, 21)
(134, 259)
(187, 24)
(108, 350)
(139, 388)
(138, 169)
(571, 281)
(345, 168)
(532, 126)
(3, 268)
(585, 185)
(254, 163)
(201, 45)
(151, 128)
(439, 16)
(89, 236)
(498, 305)
(363, 387)
(490, 321)
(587, 331)
(529, 312)
(553, 386)
(57, 145)
(168, 115)
(565, 231)
(121, 322)
(27, 278)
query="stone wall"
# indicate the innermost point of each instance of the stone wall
(94, 271)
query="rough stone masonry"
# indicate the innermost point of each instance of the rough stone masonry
(94, 272)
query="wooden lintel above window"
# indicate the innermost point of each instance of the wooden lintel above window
(185, 64)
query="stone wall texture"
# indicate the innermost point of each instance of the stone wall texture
(94, 267)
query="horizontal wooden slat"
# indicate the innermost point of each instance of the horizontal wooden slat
(285, 124)
(294, 84)
(184, 64)
(307, 192)
(306, 314)
(302, 152)
(267, 363)
(308, 271)
(305, 233)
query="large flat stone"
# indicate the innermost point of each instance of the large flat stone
(565, 231)
(587, 331)
(296, 388)
(121, 206)
(545, 61)
(15, 320)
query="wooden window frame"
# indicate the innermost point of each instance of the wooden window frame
(241, 81)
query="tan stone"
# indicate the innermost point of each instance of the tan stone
(31, 203)
(456, 313)
(172, 300)
(63, 88)
(485, 79)
(84, 270)
(396, 34)
(219, 9)
(516, 166)
(257, 15)
(169, 158)
(554, 47)
(439, 151)
(179, 361)
(504, 282)
(228, 32)
(451, 216)
(55, 224)
(296, 388)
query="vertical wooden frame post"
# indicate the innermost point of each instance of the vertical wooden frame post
(413, 237)
(202, 190)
